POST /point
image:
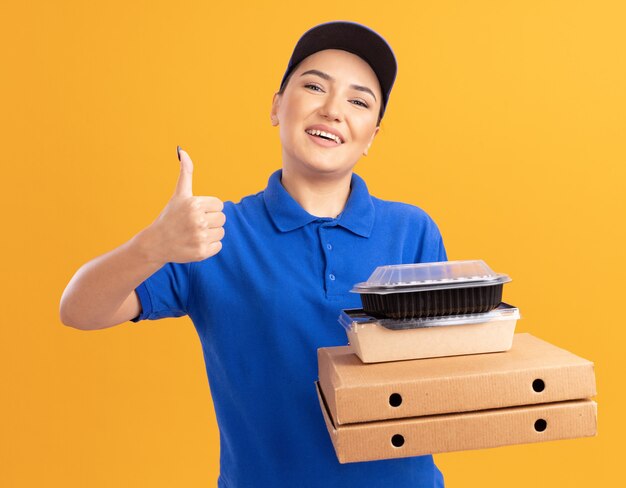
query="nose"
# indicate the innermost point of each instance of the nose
(331, 107)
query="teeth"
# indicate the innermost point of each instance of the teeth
(316, 132)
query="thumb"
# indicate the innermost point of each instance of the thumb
(183, 186)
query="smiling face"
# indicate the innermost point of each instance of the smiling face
(338, 93)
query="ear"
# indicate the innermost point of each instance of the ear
(371, 140)
(274, 110)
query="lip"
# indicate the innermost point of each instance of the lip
(322, 142)
(325, 128)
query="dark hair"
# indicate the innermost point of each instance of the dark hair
(282, 90)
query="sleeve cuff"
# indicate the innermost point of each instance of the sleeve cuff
(146, 302)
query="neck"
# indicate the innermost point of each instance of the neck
(319, 197)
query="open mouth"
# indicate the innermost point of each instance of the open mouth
(324, 135)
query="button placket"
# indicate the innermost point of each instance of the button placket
(329, 275)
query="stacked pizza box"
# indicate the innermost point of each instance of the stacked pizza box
(434, 366)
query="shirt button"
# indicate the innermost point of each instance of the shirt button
(329, 246)
(332, 277)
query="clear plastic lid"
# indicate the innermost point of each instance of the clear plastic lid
(430, 276)
(355, 319)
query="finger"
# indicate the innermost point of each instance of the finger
(214, 235)
(214, 220)
(183, 186)
(210, 204)
(215, 247)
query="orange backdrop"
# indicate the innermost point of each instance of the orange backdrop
(506, 124)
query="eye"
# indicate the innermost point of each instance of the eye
(312, 86)
(317, 88)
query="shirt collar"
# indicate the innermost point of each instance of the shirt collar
(288, 215)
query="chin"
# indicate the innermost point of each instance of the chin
(327, 164)
(327, 167)
(317, 164)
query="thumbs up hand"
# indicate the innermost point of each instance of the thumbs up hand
(190, 228)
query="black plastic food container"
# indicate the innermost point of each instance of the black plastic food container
(431, 289)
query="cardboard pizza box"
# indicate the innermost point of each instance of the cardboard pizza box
(416, 436)
(531, 372)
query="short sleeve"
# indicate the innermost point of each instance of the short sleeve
(165, 293)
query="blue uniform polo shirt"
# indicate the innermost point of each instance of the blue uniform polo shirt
(263, 306)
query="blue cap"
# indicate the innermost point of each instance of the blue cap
(354, 38)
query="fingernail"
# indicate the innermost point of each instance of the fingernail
(178, 152)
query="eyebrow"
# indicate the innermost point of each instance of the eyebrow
(326, 76)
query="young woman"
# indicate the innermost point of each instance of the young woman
(265, 295)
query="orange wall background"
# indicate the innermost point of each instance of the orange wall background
(506, 124)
